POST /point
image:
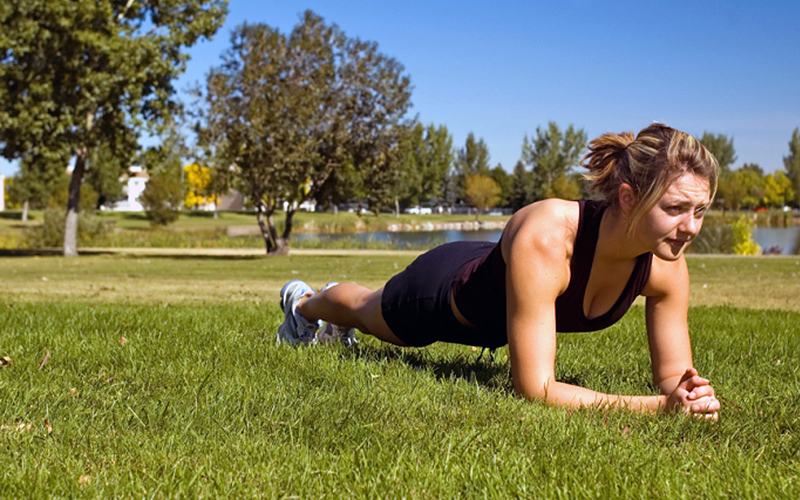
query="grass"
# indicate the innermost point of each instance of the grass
(163, 380)
(303, 222)
(237, 230)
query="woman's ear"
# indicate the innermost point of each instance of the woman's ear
(627, 200)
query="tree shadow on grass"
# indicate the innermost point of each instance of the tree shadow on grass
(489, 373)
(204, 257)
(11, 215)
(140, 216)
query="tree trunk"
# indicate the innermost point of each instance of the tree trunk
(71, 222)
(25, 205)
(273, 244)
(265, 233)
(282, 243)
(396, 208)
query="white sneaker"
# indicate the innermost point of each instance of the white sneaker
(296, 329)
(333, 333)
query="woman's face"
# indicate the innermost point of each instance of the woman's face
(675, 220)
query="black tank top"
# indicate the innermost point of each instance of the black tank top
(480, 295)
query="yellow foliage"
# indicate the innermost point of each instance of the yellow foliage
(743, 243)
(197, 179)
(482, 192)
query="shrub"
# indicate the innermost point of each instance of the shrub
(162, 199)
(715, 237)
(50, 233)
(743, 243)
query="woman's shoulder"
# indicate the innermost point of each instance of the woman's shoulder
(551, 213)
(547, 224)
(667, 277)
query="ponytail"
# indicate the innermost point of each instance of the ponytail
(607, 157)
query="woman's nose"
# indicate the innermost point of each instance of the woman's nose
(691, 225)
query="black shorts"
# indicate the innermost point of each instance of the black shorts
(416, 302)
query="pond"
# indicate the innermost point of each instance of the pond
(785, 238)
(767, 237)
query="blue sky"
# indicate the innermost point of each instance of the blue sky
(501, 69)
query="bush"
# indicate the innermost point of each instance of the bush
(715, 237)
(162, 199)
(743, 243)
(50, 234)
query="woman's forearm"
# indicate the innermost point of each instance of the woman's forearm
(573, 396)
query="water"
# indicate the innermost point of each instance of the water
(784, 237)
(414, 239)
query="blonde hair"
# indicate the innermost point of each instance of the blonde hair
(648, 163)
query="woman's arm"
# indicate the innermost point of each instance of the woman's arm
(667, 306)
(537, 254)
(537, 272)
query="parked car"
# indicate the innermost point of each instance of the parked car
(417, 210)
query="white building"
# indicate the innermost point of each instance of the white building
(134, 186)
(306, 206)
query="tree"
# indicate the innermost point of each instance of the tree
(287, 112)
(506, 183)
(481, 192)
(778, 190)
(551, 155)
(792, 163)
(167, 156)
(38, 177)
(76, 74)
(722, 148)
(197, 180)
(755, 167)
(411, 158)
(566, 187)
(162, 199)
(472, 159)
(436, 163)
(218, 186)
(741, 187)
(103, 174)
(520, 186)
(752, 186)
(426, 157)
(60, 194)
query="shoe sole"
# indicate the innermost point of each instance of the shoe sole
(280, 337)
(283, 293)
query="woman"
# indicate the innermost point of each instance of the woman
(560, 266)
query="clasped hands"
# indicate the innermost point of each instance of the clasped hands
(694, 396)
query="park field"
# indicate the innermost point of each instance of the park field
(159, 377)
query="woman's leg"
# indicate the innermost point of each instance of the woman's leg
(349, 305)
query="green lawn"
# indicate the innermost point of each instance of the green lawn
(163, 380)
(233, 230)
(303, 222)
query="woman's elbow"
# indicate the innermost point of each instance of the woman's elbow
(533, 390)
